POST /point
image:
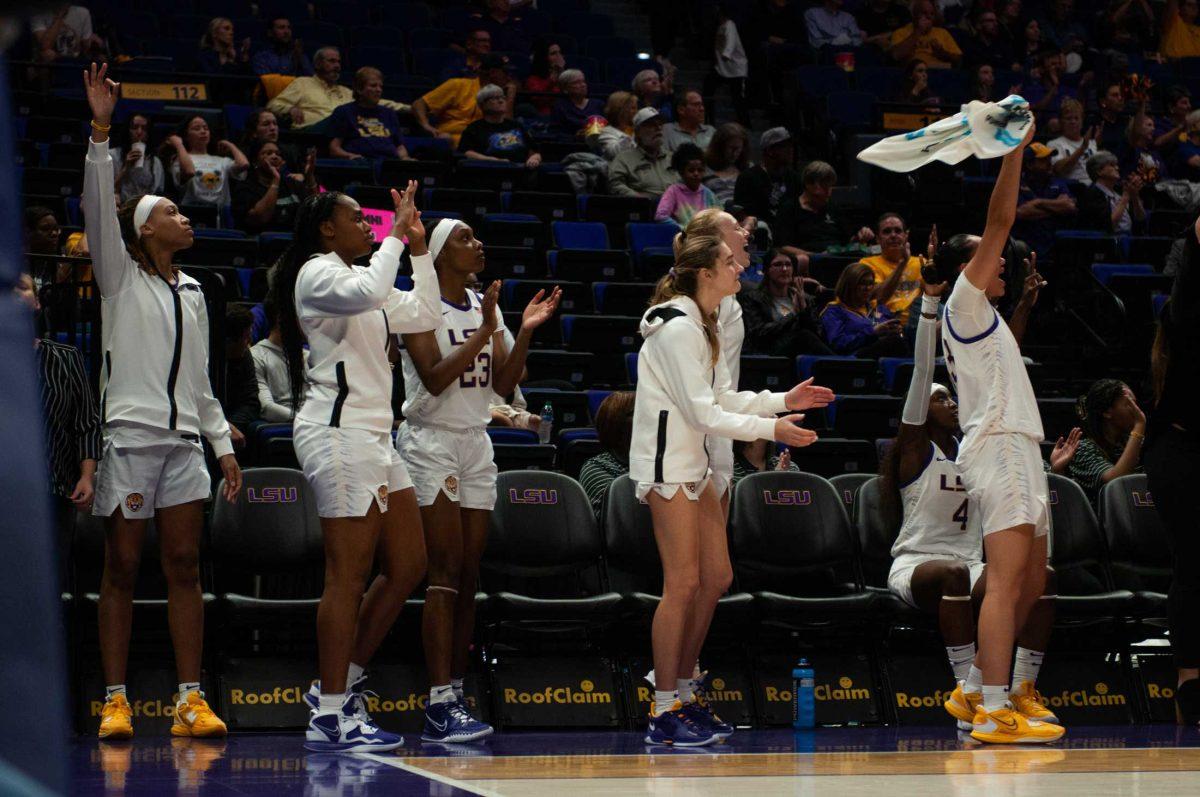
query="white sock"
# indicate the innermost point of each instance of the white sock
(663, 701)
(1026, 667)
(686, 688)
(962, 658)
(441, 694)
(994, 697)
(696, 673)
(186, 688)
(114, 689)
(331, 703)
(974, 681)
(457, 685)
(354, 673)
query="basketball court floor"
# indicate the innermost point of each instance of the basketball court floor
(1126, 760)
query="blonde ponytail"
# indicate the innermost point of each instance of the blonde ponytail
(692, 254)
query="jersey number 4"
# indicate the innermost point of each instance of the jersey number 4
(960, 516)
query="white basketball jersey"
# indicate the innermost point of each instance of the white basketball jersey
(938, 519)
(466, 403)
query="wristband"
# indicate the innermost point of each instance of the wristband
(1138, 435)
(99, 128)
(930, 304)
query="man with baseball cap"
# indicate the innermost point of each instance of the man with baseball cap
(763, 189)
(645, 170)
(1045, 202)
(453, 102)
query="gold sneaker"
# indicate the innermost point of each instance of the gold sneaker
(116, 719)
(1028, 701)
(1005, 726)
(193, 717)
(961, 705)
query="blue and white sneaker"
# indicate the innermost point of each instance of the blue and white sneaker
(355, 692)
(343, 732)
(701, 713)
(676, 727)
(452, 723)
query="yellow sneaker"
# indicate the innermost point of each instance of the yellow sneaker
(1005, 726)
(193, 717)
(961, 705)
(116, 719)
(1028, 701)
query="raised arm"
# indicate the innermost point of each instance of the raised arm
(111, 263)
(1002, 212)
(341, 291)
(509, 366)
(420, 309)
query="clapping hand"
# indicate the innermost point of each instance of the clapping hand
(1064, 451)
(540, 309)
(806, 395)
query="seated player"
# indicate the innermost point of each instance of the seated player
(938, 554)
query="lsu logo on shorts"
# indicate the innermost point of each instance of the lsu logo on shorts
(134, 502)
(383, 496)
(452, 485)
(690, 487)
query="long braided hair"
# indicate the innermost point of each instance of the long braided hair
(306, 242)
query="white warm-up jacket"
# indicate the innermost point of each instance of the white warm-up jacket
(349, 314)
(682, 397)
(154, 334)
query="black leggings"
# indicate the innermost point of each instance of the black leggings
(1172, 462)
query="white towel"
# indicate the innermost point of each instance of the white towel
(982, 129)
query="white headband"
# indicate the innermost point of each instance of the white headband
(936, 387)
(142, 212)
(440, 234)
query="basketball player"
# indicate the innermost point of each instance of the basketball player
(999, 458)
(341, 434)
(156, 401)
(682, 398)
(450, 374)
(938, 554)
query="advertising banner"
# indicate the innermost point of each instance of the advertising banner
(580, 692)
(846, 693)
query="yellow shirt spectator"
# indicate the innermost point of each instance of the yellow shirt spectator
(930, 46)
(453, 104)
(906, 292)
(1180, 39)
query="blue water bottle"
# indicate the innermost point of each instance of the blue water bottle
(803, 699)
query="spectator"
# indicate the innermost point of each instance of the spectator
(262, 126)
(617, 136)
(878, 18)
(652, 92)
(308, 101)
(201, 177)
(1031, 44)
(614, 427)
(1071, 150)
(546, 66)
(1114, 428)
(1044, 204)
(728, 155)
(988, 45)
(923, 40)
(1110, 118)
(1187, 155)
(65, 32)
(829, 25)
(494, 138)
(855, 325)
(895, 256)
(645, 170)
(573, 109)
(914, 88)
(72, 423)
(1129, 27)
(983, 84)
(241, 385)
(1061, 30)
(42, 231)
(1012, 25)
(780, 313)
(1180, 33)
(138, 170)
(476, 44)
(218, 54)
(758, 456)
(809, 223)
(365, 128)
(730, 64)
(1102, 207)
(283, 55)
(1049, 89)
(453, 102)
(1138, 154)
(1171, 130)
(685, 198)
(509, 33)
(689, 127)
(271, 373)
(762, 190)
(268, 199)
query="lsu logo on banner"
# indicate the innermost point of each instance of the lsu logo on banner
(787, 497)
(272, 495)
(560, 695)
(531, 495)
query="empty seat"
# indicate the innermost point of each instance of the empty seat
(764, 372)
(571, 408)
(579, 234)
(59, 182)
(505, 434)
(1084, 584)
(589, 265)
(640, 236)
(866, 417)
(576, 298)
(546, 205)
(523, 456)
(337, 174)
(512, 261)
(616, 212)
(492, 174)
(470, 204)
(1138, 547)
(576, 451)
(569, 366)
(428, 174)
(514, 229)
(839, 374)
(622, 298)
(602, 334)
(832, 456)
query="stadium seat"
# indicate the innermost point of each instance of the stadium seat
(570, 406)
(428, 174)
(533, 576)
(764, 372)
(236, 252)
(570, 366)
(573, 453)
(847, 485)
(1059, 416)
(589, 265)
(1083, 582)
(644, 235)
(840, 374)
(1149, 248)
(1138, 547)
(866, 417)
(621, 298)
(1085, 247)
(898, 371)
(546, 206)
(492, 175)
(882, 81)
(1104, 272)
(832, 456)
(595, 399)
(793, 547)
(387, 58)
(851, 109)
(57, 182)
(631, 367)
(579, 234)
(336, 174)
(576, 298)
(616, 212)
(523, 456)
(514, 229)
(505, 434)
(602, 335)
(877, 529)
(827, 268)
(471, 204)
(816, 80)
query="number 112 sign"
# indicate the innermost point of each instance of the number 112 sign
(169, 92)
